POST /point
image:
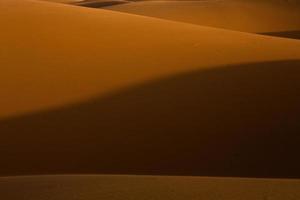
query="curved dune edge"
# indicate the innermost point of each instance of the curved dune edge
(53, 55)
(116, 187)
(258, 16)
(239, 120)
(76, 101)
(286, 34)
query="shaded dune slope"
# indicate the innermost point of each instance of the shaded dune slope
(94, 91)
(287, 34)
(131, 100)
(100, 4)
(233, 121)
(146, 187)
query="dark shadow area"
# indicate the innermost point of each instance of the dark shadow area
(285, 34)
(100, 4)
(232, 121)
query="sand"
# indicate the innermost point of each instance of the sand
(161, 98)
(53, 55)
(258, 16)
(95, 91)
(146, 187)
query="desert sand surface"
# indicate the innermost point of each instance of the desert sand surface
(132, 100)
(53, 54)
(97, 91)
(147, 187)
(258, 16)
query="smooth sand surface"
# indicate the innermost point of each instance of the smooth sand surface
(94, 91)
(287, 34)
(238, 120)
(55, 54)
(259, 16)
(101, 3)
(147, 187)
(65, 1)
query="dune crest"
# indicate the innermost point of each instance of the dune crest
(258, 16)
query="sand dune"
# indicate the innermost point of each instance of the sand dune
(216, 122)
(73, 95)
(64, 1)
(259, 16)
(94, 91)
(287, 34)
(146, 187)
(55, 54)
(101, 3)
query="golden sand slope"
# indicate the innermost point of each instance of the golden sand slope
(146, 187)
(96, 91)
(261, 16)
(54, 54)
(64, 1)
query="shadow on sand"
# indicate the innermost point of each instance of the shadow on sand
(100, 4)
(232, 121)
(286, 34)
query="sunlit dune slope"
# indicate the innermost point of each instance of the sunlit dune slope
(260, 16)
(95, 91)
(54, 54)
(64, 1)
(146, 187)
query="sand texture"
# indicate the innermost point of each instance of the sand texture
(127, 89)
